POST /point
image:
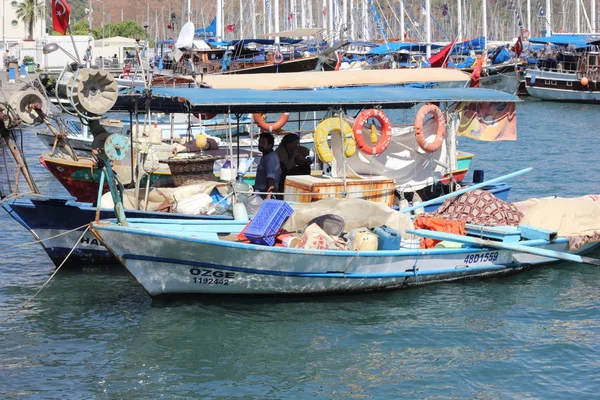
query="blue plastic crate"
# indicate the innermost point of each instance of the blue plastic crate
(267, 221)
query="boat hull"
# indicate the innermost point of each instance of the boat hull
(60, 222)
(561, 86)
(168, 263)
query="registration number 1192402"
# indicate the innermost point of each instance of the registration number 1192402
(484, 257)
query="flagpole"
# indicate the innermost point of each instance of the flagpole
(73, 41)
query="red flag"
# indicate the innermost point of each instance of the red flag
(324, 11)
(291, 16)
(60, 16)
(518, 47)
(230, 28)
(476, 74)
(440, 59)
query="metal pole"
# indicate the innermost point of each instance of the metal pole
(428, 26)
(484, 17)
(3, 24)
(459, 21)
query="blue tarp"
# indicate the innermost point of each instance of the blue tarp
(392, 47)
(465, 47)
(502, 56)
(579, 41)
(241, 101)
(209, 31)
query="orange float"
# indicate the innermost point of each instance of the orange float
(275, 126)
(386, 132)
(440, 133)
(278, 58)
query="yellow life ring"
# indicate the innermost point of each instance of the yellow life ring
(322, 132)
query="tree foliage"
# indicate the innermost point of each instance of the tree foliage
(128, 29)
(29, 11)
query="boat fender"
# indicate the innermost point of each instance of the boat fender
(270, 127)
(322, 132)
(440, 133)
(386, 131)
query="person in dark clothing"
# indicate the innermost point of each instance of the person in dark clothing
(268, 173)
(294, 158)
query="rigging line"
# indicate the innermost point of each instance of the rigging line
(411, 17)
(387, 24)
(379, 24)
(436, 22)
(42, 240)
(45, 283)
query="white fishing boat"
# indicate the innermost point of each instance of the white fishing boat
(182, 257)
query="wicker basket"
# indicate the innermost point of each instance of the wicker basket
(185, 171)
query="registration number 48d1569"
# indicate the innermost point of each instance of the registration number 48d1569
(474, 258)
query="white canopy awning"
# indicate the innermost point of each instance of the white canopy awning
(117, 41)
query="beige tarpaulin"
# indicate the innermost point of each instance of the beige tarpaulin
(356, 213)
(575, 218)
(318, 79)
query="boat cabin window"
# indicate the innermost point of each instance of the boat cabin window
(569, 83)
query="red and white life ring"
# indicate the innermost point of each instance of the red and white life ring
(525, 33)
(275, 126)
(386, 132)
(440, 133)
(278, 58)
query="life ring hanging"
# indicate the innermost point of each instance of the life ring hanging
(440, 133)
(386, 132)
(322, 132)
(275, 126)
(278, 58)
(525, 33)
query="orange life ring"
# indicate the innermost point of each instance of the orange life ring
(440, 133)
(525, 33)
(560, 30)
(278, 58)
(275, 126)
(386, 131)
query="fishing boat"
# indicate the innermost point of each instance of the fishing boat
(567, 71)
(173, 257)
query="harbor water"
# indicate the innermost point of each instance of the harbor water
(95, 333)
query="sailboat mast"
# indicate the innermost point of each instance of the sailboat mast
(253, 18)
(549, 16)
(485, 27)
(577, 17)
(402, 23)
(459, 26)
(352, 21)
(529, 15)
(593, 16)
(428, 27)
(276, 7)
(219, 16)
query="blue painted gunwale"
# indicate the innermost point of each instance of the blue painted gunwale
(147, 231)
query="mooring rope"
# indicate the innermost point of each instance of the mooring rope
(49, 279)
(43, 240)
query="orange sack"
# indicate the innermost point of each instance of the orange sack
(439, 225)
